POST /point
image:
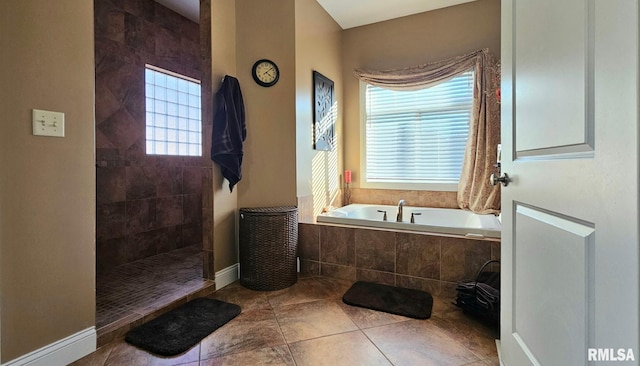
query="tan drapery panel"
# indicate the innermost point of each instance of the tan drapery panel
(475, 193)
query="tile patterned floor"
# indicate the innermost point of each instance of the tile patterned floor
(127, 293)
(307, 324)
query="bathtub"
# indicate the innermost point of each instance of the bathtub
(432, 220)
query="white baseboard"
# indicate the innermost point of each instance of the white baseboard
(499, 347)
(61, 352)
(227, 276)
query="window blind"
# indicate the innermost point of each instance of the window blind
(418, 136)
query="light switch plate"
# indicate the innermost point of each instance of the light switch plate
(47, 123)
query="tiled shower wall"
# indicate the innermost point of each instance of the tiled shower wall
(425, 262)
(146, 205)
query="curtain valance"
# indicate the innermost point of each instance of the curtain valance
(425, 75)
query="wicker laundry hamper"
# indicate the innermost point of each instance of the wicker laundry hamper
(268, 247)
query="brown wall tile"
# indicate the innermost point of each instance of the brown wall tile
(495, 250)
(309, 242)
(152, 242)
(418, 255)
(121, 129)
(431, 286)
(192, 234)
(109, 21)
(207, 260)
(385, 278)
(207, 229)
(169, 211)
(110, 221)
(140, 8)
(337, 245)
(141, 215)
(192, 179)
(207, 187)
(311, 268)
(337, 271)
(111, 184)
(113, 251)
(461, 259)
(168, 181)
(413, 198)
(376, 250)
(448, 289)
(192, 209)
(141, 182)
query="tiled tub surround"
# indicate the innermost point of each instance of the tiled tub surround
(406, 259)
(146, 204)
(437, 199)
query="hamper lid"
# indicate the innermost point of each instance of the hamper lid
(268, 210)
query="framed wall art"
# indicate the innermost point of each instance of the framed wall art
(324, 113)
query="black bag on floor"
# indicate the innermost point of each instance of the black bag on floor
(481, 296)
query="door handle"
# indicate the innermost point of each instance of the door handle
(504, 179)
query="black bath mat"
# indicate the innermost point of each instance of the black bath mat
(395, 300)
(180, 329)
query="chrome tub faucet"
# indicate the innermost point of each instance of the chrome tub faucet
(400, 206)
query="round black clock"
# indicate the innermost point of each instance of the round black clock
(265, 73)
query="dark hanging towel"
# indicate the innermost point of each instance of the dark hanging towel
(229, 130)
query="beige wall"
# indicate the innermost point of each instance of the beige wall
(409, 41)
(265, 29)
(300, 37)
(318, 47)
(47, 185)
(223, 56)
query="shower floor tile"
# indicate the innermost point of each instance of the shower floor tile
(128, 293)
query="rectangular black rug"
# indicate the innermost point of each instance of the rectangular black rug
(395, 300)
(180, 329)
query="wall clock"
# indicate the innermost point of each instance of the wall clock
(265, 73)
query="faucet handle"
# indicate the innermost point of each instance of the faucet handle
(384, 217)
(413, 220)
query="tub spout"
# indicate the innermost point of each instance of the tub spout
(400, 206)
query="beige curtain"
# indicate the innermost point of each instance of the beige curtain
(475, 193)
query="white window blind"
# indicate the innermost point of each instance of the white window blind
(173, 121)
(418, 136)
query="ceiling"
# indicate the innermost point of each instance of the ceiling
(354, 13)
(348, 14)
(188, 8)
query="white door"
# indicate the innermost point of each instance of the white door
(570, 214)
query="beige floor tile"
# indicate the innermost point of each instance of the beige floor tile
(478, 340)
(278, 355)
(249, 331)
(367, 318)
(97, 358)
(312, 319)
(247, 299)
(124, 354)
(351, 348)
(419, 342)
(308, 289)
(321, 330)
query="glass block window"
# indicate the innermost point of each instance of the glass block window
(174, 118)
